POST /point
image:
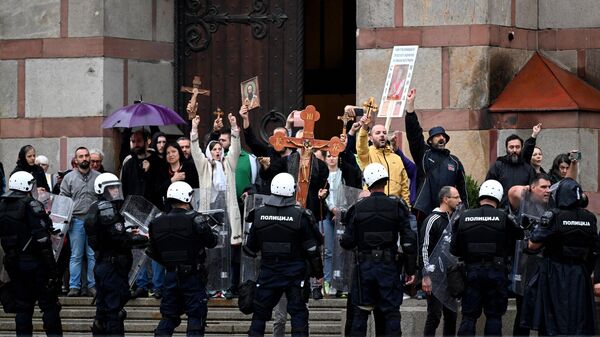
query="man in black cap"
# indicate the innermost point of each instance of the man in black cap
(436, 166)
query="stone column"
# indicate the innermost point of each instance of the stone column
(66, 64)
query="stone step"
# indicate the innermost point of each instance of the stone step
(150, 313)
(146, 326)
(149, 302)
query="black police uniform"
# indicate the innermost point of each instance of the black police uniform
(285, 235)
(483, 239)
(559, 299)
(178, 241)
(112, 245)
(374, 224)
(25, 237)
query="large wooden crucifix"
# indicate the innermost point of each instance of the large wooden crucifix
(307, 144)
(195, 90)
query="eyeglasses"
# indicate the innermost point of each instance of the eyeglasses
(95, 161)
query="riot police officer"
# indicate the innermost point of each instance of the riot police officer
(177, 241)
(483, 239)
(285, 235)
(373, 226)
(569, 236)
(112, 245)
(25, 236)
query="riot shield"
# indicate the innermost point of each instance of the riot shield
(138, 212)
(439, 263)
(218, 259)
(525, 265)
(343, 260)
(249, 265)
(61, 210)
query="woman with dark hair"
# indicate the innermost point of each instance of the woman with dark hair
(26, 162)
(159, 140)
(536, 160)
(178, 168)
(560, 167)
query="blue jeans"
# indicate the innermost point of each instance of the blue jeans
(158, 278)
(79, 246)
(327, 227)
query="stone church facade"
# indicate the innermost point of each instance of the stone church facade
(65, 64)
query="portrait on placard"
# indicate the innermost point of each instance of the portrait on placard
(250, 93)
(399, 75)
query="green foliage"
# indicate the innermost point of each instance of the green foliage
(472, 190)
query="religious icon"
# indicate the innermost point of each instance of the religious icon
(250, 93)
(399, 75)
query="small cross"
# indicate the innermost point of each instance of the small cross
(219, 113)
(370, 106)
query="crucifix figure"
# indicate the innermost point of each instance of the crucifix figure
(307, 144)
(195, 90)
(370, 107)
(345, 118)
(218, 113)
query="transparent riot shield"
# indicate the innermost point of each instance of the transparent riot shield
(61, 211)
(218, 259)
(439, 262)
(343, 260)
(249, 265)
(525, 265)
(138, 212)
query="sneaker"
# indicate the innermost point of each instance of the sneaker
(157, 294)
(91, 292)
(227, 294)
(326, 288)
(74, 292)
(139, 293)
(317, 293)
(405, 296)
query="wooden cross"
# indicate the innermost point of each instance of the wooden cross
(195, 90)
(370, 107)
(219, 113)
(345, 118)
(308, 143)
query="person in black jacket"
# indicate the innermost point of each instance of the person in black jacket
(436, 166)
(511, 169)
(483, 239)
(433, 227)
(26, 162)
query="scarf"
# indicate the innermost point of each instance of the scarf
(219, 181)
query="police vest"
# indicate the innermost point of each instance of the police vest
(575, 235)
(14, 230)
(175, 239)
(279, 231)
(483, 234)
(376, 223)
(111, 231)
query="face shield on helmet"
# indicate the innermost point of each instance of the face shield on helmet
(109, 186)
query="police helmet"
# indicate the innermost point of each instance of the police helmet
(104, 180)
(373, 173)
(569, 194)
(492, 189)
(21, 181)
(283, 185)
(180, 190)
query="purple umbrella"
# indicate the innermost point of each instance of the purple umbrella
(142, 114)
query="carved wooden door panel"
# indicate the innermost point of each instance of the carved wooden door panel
(228, 41)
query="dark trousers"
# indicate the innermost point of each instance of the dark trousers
(112, 286)
(30, 280)
(236, 255)
(486, 290)
(435, 308)
(378, 318)
(518, 330)
(265, 299)
(184, 292)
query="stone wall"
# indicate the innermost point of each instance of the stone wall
(66, 64)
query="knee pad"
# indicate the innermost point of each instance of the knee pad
(300, 331)
(98, 328)
(392, 323)
(195, 324)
